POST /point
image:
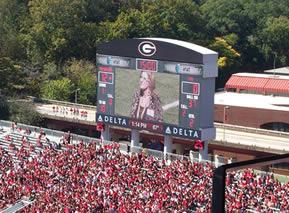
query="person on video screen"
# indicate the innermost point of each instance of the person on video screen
(146, 102)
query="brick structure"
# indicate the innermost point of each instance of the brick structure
(249, 117)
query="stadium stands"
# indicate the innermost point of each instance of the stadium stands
(91, 176)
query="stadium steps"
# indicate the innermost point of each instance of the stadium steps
(17, 141)
(5, 145)
(18, 144)
(33, 141)
(17, 206)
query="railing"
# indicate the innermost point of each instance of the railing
(18, 205)
(194, 156)
(218, 125)
(62, 103)
(251, 130)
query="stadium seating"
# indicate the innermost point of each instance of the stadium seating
(93, 177)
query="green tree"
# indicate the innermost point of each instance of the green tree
(12, 79)
(100, 10)
(83, 76)
(4, 108)
(228, 56)
(58, 32)
(25, 113)
(178, 19)
(226, 16)
(50, 72)
(12, 15)
(129, 24)
(274, 39)
(58, 89)
(246, 19)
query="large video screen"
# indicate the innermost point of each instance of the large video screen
(158, 96)
(146, 95)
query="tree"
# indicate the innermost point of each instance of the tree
(274, 39)
(25, 113)
(246, 19)
(4, 108)
(226, 16)
(58, 89)
(228, 56)
(12, 14)
(83, 76)
(129, 24)
(59, 31)
(178, 19)
(12, 79)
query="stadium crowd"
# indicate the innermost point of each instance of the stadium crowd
(90, 178)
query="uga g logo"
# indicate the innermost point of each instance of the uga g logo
(147, 48)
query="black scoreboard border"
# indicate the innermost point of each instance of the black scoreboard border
(157, 127)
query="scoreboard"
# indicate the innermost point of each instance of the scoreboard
(186, 104)
(157, 84)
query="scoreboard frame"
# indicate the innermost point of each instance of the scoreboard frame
(200, 72)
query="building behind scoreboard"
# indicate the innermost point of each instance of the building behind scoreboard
(255, 100)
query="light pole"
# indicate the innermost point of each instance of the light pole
(274, 63)
(225, 119)
(75, 97)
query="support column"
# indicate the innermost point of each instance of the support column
(134, 138)
(230, 160)
(179, 148)
(203, 154)
(191, 156)
(216, 160)
(105, 134)
(168, 144)
(90, 132)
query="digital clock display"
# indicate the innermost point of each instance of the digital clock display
(146, 65)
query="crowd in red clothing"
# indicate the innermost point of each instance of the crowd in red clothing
(90, 178)
(6, 161)
(258, 191)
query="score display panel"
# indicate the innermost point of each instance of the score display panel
(176, 89)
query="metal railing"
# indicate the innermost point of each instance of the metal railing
(17, 206)
(194, 156)
(251, 130)
(62, 103)
(218, 125)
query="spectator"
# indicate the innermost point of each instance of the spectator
(90, 178)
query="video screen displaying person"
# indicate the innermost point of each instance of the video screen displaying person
(146, 102)
(147, 96)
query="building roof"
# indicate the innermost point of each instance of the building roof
(262, 83)
(252, 101)
(282, 70)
